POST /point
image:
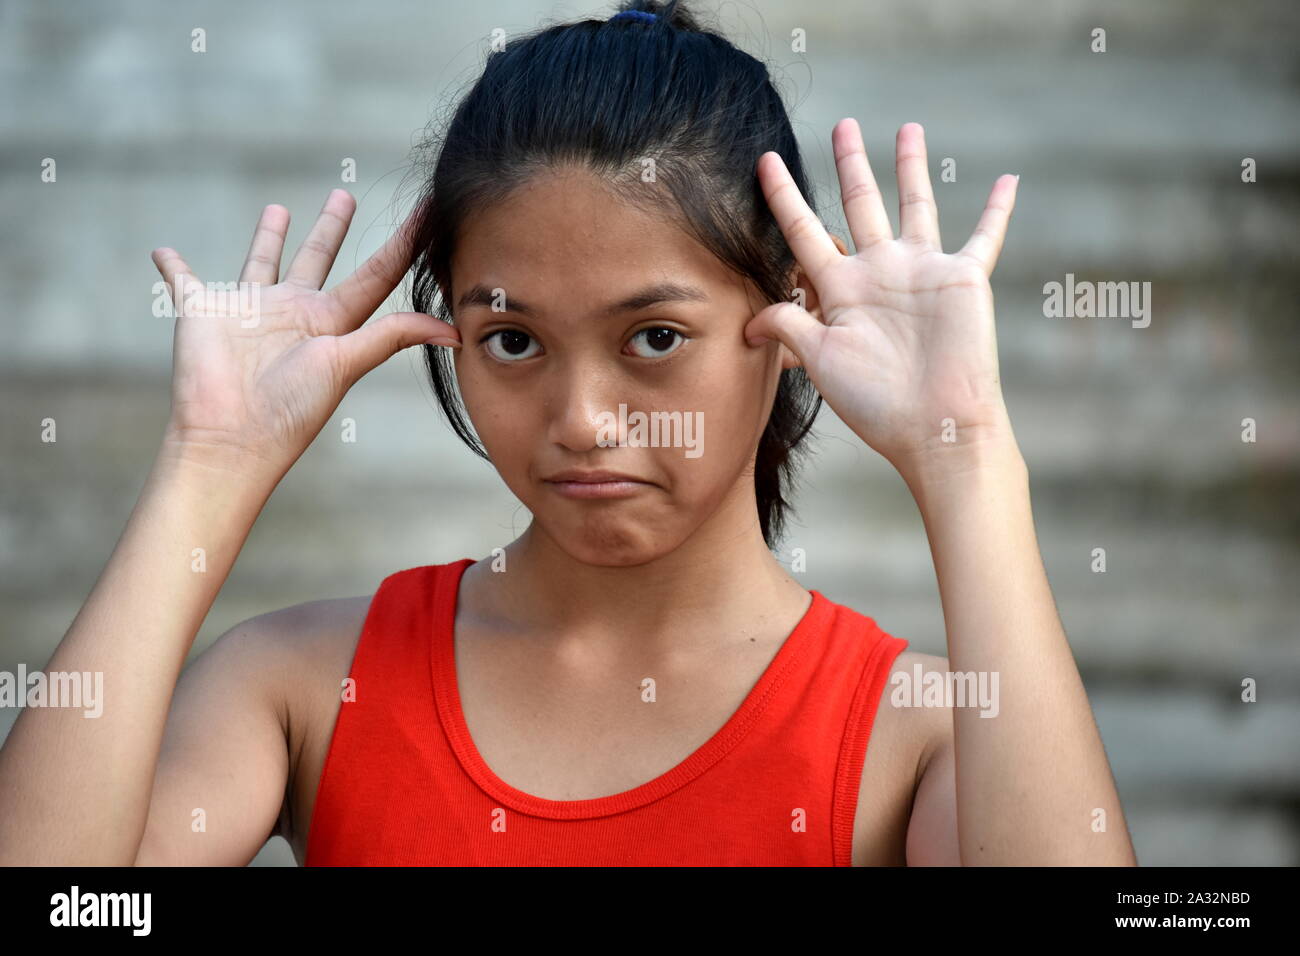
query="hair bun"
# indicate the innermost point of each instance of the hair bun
(673, 11)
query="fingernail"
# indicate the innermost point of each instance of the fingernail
(450, 343)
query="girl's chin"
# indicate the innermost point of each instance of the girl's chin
(615, 546)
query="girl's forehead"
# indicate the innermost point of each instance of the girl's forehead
(569, 212)
(572, 233)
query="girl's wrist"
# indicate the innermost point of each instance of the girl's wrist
(969, 459)
(220, 476)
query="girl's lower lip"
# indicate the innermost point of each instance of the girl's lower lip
(597, 489)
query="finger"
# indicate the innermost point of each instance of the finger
(918, 217)
(316, 255)
(176, 273)
(985, 243)
(263, 262)
(795, 328)
(864, 208)
(361, 293)
(376, 342)
(807, 237)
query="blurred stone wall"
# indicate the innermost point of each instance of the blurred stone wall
(1131, 172)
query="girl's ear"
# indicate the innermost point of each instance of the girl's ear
(811, 304)
(799, 280)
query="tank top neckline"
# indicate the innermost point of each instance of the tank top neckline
(815, 621)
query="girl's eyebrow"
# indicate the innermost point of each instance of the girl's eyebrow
(651, 295)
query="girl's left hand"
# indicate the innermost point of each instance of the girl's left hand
(905, 340)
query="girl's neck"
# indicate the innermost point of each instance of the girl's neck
(705, 586)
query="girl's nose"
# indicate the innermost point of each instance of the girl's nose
(579, 404)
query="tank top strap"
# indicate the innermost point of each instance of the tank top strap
(386, 716)
(878, 651)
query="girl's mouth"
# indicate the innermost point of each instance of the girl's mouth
(618, 488)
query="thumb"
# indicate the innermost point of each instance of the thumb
(795, 328)
(376, 342)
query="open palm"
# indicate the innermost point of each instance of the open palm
(904, 350)
(253, 387)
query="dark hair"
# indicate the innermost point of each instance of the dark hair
(608, 95)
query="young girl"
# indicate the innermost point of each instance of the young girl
(615, 225)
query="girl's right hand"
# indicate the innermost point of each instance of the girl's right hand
(252, 388)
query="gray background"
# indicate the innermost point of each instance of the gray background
(1131, 172)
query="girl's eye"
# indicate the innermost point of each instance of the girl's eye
(514, 345)
(660, 341)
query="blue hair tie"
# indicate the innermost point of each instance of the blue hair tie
(638, 14)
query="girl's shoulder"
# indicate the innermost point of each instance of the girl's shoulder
(910, 745)
(926, 723)
(304, 644)
(305, 651)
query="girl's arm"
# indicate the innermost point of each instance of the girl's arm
(252, 386)
(76, 790)
(1033, 785)
(903, 348)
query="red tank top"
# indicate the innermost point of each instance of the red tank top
(403, 783)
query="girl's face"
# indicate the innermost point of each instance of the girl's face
(572, 304)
